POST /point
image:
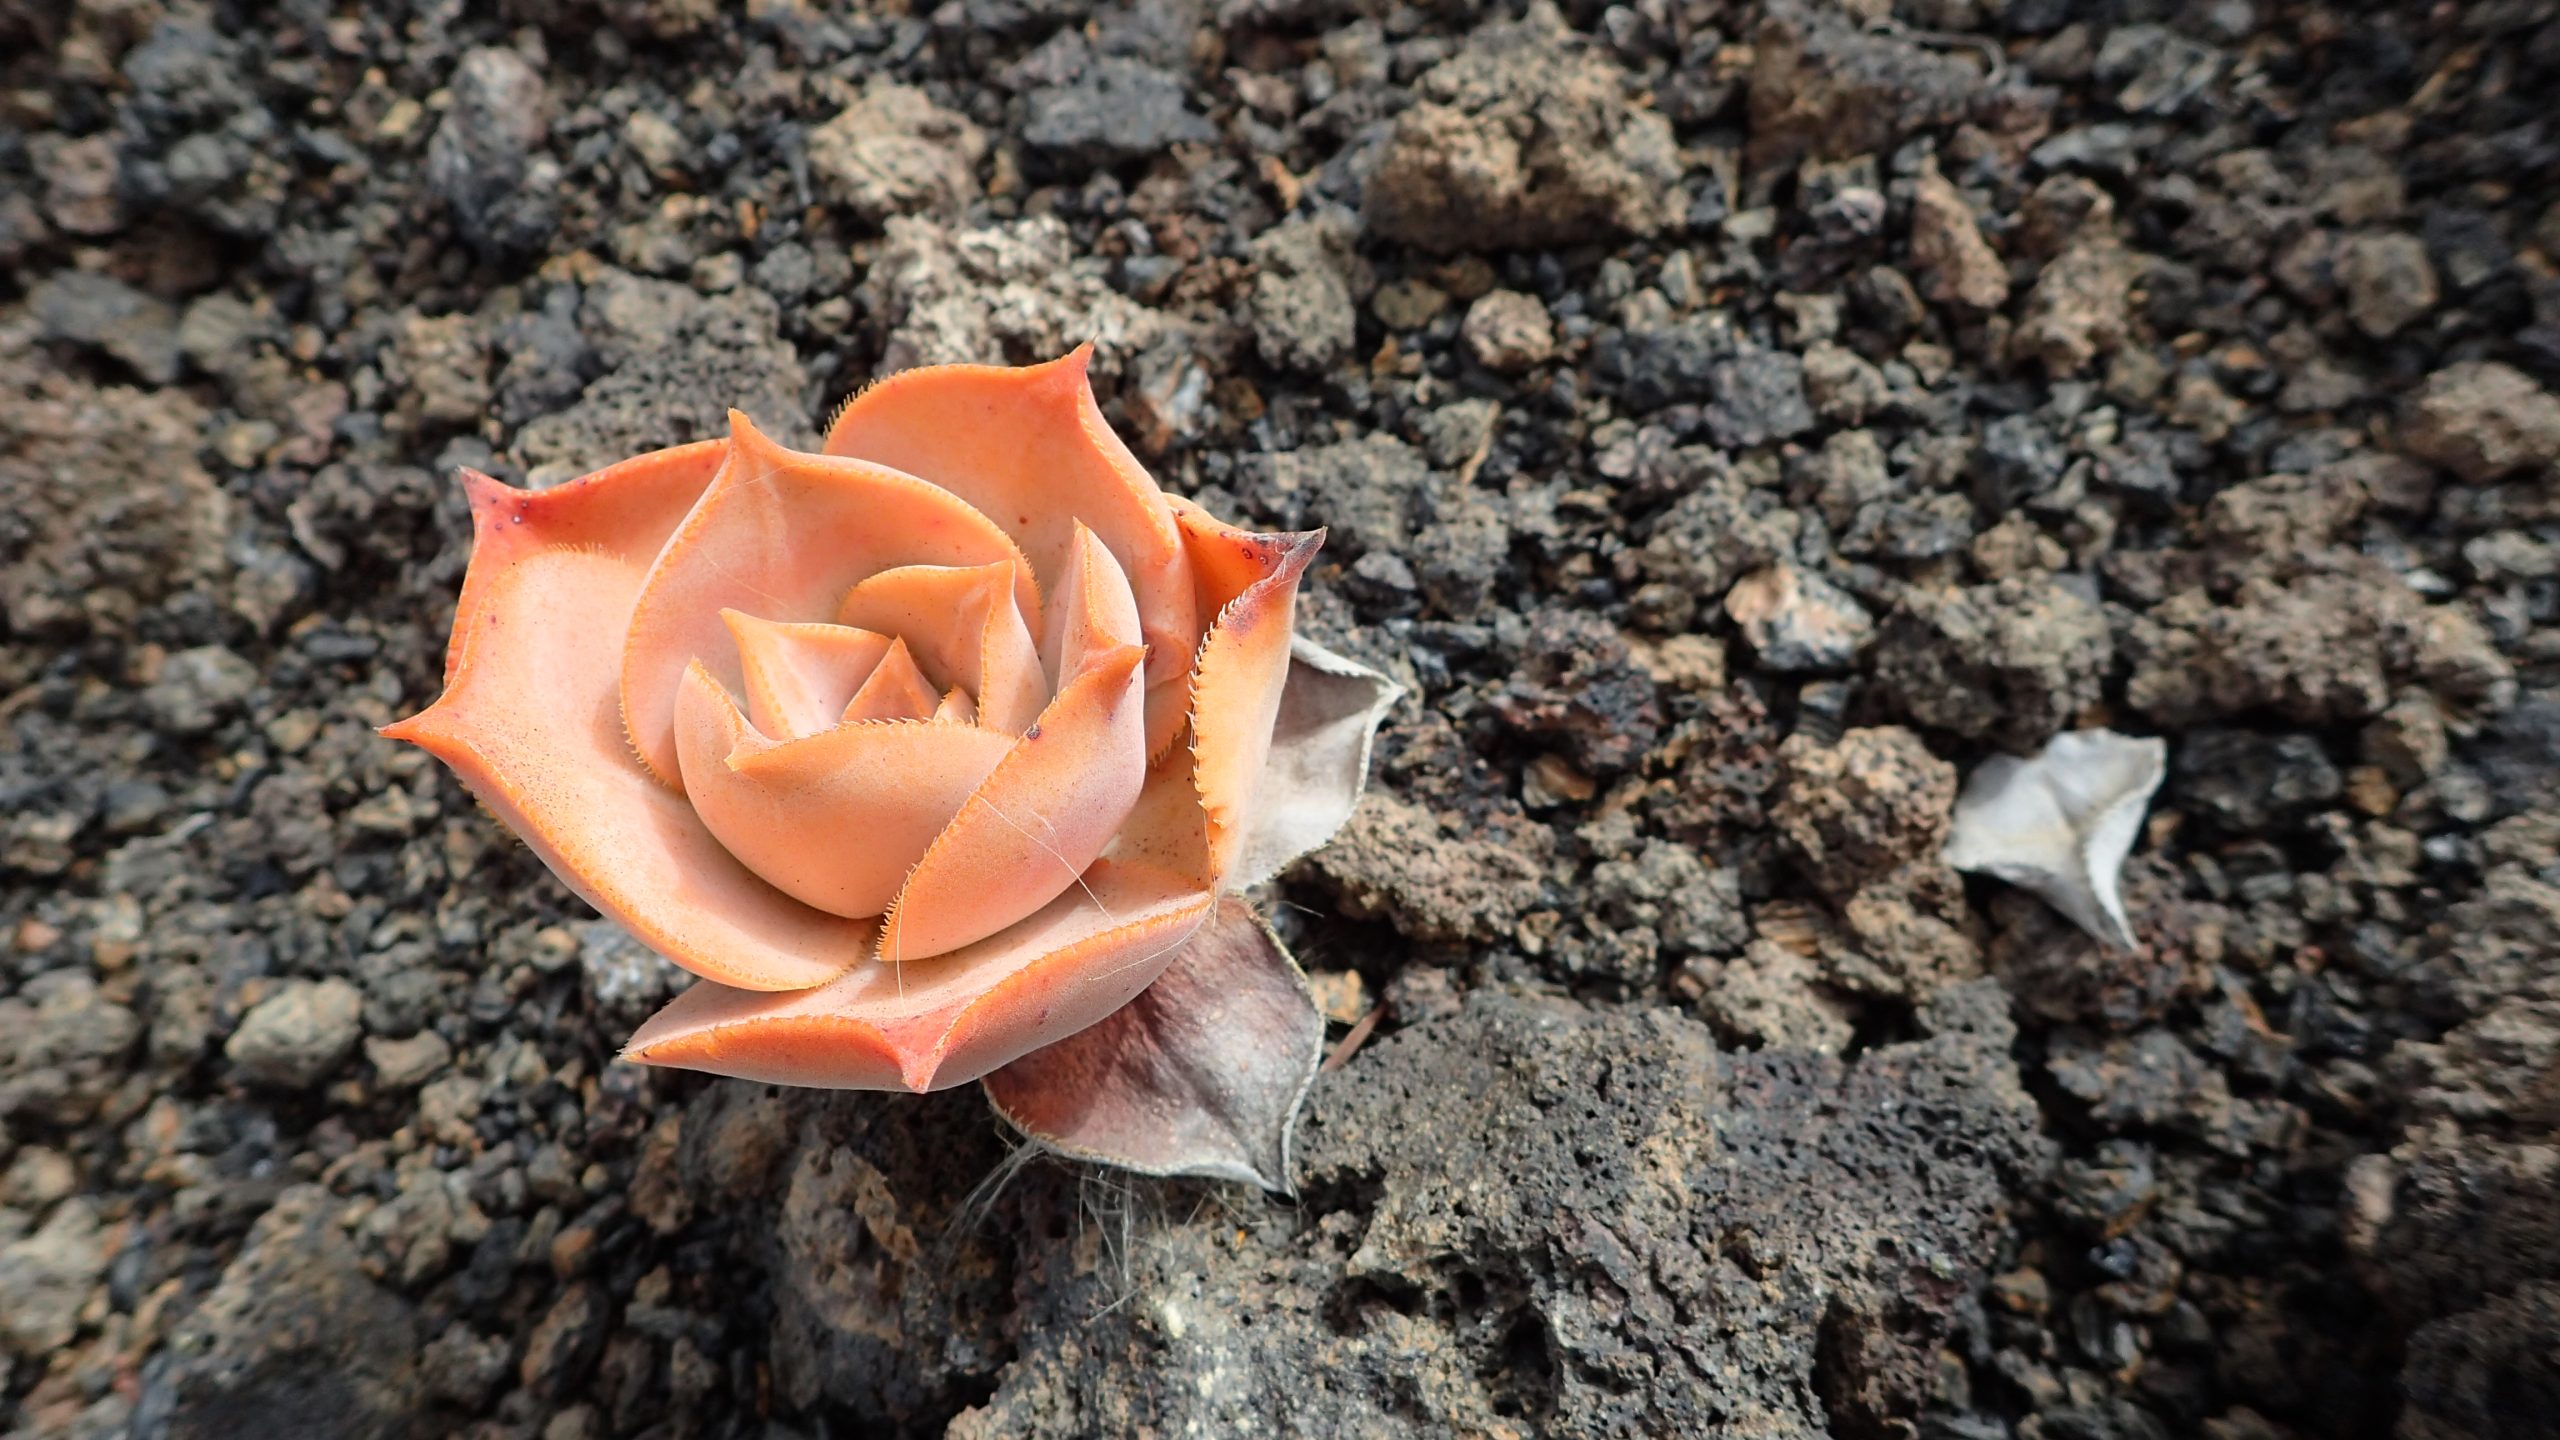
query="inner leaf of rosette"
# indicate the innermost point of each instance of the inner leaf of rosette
(912, 757)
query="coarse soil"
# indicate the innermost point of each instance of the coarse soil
(1734, 420)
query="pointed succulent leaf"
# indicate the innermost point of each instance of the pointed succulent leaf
(528, 721)
(932, 1024)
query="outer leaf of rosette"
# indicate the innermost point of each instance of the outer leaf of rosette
(1318, 764)
(529, 721)
(1242, 668)
(931, 1024)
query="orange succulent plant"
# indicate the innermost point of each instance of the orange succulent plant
(939, 756)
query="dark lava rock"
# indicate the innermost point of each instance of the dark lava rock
(62, 1047)
(1667, 889)
(2457, 1228)
(1529, 1216)
(1365, 490)
(2147, 1080)
(1396, 863)
(1524, 138)
(886, 1297)
(1114, 109)
(1827, 87)
(2010, 663)
(484, 159)
(2486, 1374)
(2482, 420)
(78, 307)
(2251, 783)
(1796, 620)
(1866, 807)
(1658, 365)
(75, 554)
(2079, 309)
(295, 1340)
(1755, 397)
(1713, 535)
(1578, 687)
(49, 1277)
(2322, 648)
(675, 363)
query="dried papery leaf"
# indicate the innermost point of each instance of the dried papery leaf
(1202, 1074)
(1330, 708)
(2060, 824)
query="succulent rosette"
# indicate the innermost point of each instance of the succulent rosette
(939, 756)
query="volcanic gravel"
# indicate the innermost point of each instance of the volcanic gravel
(1734, 421)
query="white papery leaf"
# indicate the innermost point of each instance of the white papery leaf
(1201, 1075)
(2061, 824)
(1329, 714)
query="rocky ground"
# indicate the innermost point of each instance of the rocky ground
(1733, 419)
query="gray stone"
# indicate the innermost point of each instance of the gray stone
(1305, 312)
(2480, 420)
(1016, 293)
(198, 689)
(1508, 332)
(894, 152)
(80, 307)
(406, 1063)
(625, 978)
(298, 1036)
(1757, 396)
(1797, 621)
(2389, 281)
(2158, 71)
(80, 181)
(1524, 138)
(48, 1276)
(483, 156)
(2080, 308)
(1957, 266)
(1115, 109)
